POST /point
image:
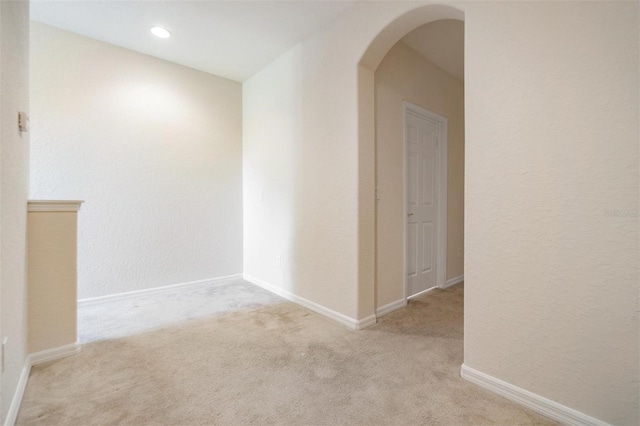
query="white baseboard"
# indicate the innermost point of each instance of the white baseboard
(454, 281)
(149, 291)
(14, 408)
(422, 293)
(390, 307)
(30, 361)
(315, 307)
(366, 322)
(542, 405)
(54, 354)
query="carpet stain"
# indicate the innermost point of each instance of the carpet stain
(275, 365)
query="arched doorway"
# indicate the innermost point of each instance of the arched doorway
(369, 62)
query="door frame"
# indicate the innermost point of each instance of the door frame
(441, 185)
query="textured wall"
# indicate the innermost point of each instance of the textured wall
(551, 102)
(405, 75)
(271, 148)
(153, 148)
(552, 146)
(294, 209)
(14, 184)
(300, 146)
(307, 152)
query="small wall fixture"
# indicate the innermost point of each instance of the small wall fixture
(160, 32)
(23, 122)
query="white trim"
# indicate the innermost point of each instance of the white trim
(54, 354)
(422, 293)
(31, 360)
(528, 399)
(441, 252)
(315, 307)
(54, 205)
(454, 281)
(366, 322)
(390, 307)
(149, 291)
(14, 408)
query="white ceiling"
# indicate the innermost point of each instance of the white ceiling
(232, 39)
(442, 42)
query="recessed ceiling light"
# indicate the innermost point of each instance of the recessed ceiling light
(160, 32)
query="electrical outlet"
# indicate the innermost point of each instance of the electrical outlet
(278, 260)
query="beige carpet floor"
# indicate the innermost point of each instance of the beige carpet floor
(278, 364)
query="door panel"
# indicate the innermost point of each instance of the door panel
(428, 164)
(412, 262)
(427, 246)
(412, 191)
(422, 203)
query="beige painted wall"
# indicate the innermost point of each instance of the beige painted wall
(52, 275)
(551, 279)
(552, 146)
(300, 138)
(292, 208)
(14, 186)
(155, 150)
(404, 74)
(551, 142)
(271, 177)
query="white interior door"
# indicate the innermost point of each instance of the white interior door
(422, 167)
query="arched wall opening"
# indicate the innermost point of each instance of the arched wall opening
(370, 60)
(535, 181)
(419, 86)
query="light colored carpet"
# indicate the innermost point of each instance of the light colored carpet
(146, 312)
(277, 364)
